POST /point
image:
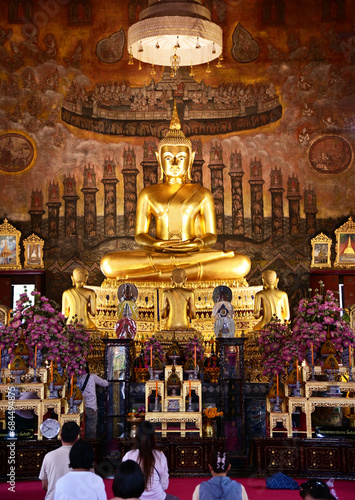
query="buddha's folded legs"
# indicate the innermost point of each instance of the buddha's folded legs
(155, 266)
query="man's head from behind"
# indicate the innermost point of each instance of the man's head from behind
(70, 432)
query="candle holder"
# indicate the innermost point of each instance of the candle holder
(151, 373)
(296, 389)
(73, 405)
(196, 370)
(53, 394)
(276, 404)
(189, 407)
(156, 404)
(312, 373)
(34, 381)
(350, 374)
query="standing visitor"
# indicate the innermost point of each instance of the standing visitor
(87, 384)
(153, 463)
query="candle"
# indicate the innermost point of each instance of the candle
(277, 385)
(189, 388)
(297, 375)
(195, 356)
(312, 354)
(35, 355)
(151, 355)
(349, 356)
(51, 371)
(156, 388)
(71, 387)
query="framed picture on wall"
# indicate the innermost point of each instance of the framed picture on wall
(9, 246)
(345, 245)
(33, 246)
(321, 248)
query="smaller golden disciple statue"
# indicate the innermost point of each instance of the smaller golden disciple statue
(185, 225)
(270, 301)
(79, 301)
(178, 303)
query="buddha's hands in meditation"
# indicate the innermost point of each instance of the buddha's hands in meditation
(177, 245)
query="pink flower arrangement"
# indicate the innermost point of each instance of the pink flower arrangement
(43, 326)
(316, 317)
(275, 346)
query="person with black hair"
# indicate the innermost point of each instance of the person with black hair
(128, 481)
(87, 384)
(220, 486)
(316, 489)
(56, 463)
(80, 483)
(153, 463)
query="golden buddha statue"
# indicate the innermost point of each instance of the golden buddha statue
(178, 303)
(178, 207)
(270, 301)
(79, 301)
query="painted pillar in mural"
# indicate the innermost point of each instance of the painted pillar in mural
(310, 209)
(294, 197)
(53, 205)
(109, 181)
(89, 190)
(149, 163)
(256, 198)
(236, 174)
(70, 210)
(36, 211)
(216, 166)
(196, 170)
(129, 172)
(277, 211)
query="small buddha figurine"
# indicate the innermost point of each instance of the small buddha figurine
(78, 302)
(178, 303)
(270, 301)
(176, 205)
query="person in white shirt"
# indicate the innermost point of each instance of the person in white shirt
(153, 463)
(87, 384)
(80, 483)
(56, 463)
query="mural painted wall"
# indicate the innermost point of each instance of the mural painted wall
(272, 124)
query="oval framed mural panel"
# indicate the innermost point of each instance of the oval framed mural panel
(16, 152)
(330, 154)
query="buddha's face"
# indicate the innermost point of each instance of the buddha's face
(175, 160)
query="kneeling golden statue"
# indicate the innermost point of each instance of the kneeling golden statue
(178, 208)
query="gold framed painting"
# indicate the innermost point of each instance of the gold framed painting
(345, 245)
(321, 248)
(9, 246)
(33, 246)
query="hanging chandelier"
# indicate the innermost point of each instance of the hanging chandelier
(175, 33)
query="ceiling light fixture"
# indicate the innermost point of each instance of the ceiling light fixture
(182, 30)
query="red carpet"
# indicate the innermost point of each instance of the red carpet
(184, 487)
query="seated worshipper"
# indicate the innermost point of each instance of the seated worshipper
(220, 486)
(80, 483)
(56, 463)
(128, 481)
(153, 463)
(316, 489)
(87, 384)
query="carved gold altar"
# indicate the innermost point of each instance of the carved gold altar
(43, 404)
(308, 403)
(181, 416)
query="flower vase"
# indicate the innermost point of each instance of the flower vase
(208, 428)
